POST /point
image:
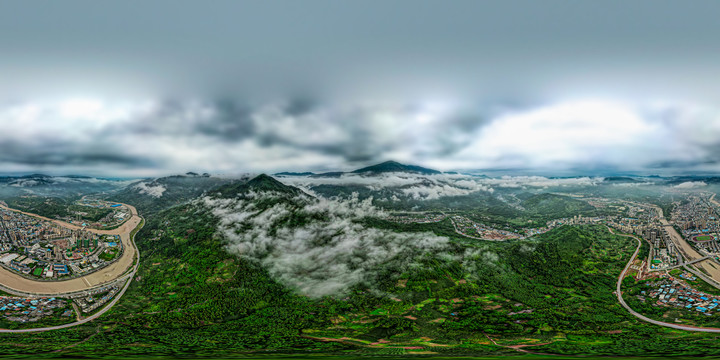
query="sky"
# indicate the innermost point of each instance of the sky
(148, 88)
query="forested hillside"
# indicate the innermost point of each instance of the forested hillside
(191, 296)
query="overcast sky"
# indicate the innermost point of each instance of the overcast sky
(140, 88)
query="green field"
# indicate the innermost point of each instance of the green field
(38, 271)
(703, 238)
(108, 255)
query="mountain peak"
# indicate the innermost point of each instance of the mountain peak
(394, 166)
(262, 182)
(267, 183)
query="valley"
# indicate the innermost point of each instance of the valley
(461, 273)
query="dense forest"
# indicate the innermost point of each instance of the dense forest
(552, 293)
(191, 297)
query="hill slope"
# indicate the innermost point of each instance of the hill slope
(150, 196)
(260, 183)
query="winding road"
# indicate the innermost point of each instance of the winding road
(618, 292)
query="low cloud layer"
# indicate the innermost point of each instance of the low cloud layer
(539, 181)
(155, 191)
(690, 185)
(415, 186)
(325, 257)
(431, 187)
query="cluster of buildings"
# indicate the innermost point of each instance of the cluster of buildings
(94, 299)
(637, 219)
(17, 229)
(475, 230)
(671, 292)
(31, 309)
(471, 229)
(698, 221)
(417, 218)
(43, 249)
(117, 215)
(663, 252)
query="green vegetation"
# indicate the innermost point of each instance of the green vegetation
(178, 190)
(553, 206)
(552, 293)
(191, 297)
(109, 254)
(38, 271)
(57, 207)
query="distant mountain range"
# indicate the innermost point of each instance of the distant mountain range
(385, 167)
(620, 179)
(394, 166)
(34, 180)
(288, 173)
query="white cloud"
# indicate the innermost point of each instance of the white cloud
(155, 191)
(590, 134)
(327, 256)
(690, 185)
(539, 181)
(419, 187)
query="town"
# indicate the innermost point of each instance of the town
(29, 309)
(34, 308)
(40, 248)
(687, 245)
(671, 292)
(94, 213)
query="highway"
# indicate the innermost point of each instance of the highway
(699, 274)
(640, 316)
(684, 264)
(105, 309)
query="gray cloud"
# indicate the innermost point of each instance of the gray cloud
(66, 154)
(473, 85)
(151, 137)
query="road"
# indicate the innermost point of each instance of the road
(105, 309)
(640, 316)
(701, 275)
(682, 263)
(15, 284)
(689, 254)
